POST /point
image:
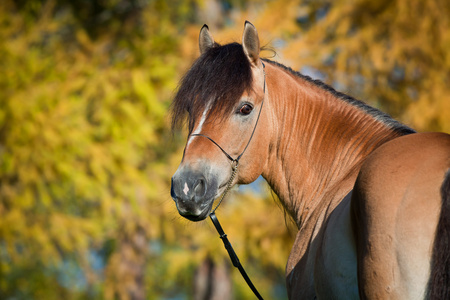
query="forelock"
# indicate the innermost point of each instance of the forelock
(217, 79)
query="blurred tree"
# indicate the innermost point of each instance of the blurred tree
(212, 281)
(83, 147)
(394, 54)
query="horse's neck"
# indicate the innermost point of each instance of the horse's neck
(319, 143)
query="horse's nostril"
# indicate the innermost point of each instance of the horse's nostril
(200, 188)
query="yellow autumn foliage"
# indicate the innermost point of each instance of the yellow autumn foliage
(86, 154)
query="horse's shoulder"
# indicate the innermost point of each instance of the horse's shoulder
(402, 164)
(398, 160)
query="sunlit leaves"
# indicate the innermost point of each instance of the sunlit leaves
(400, 48)
(80, 135)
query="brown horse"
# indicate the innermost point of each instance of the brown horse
(370, 197)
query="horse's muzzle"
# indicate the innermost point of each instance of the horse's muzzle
(193, 193)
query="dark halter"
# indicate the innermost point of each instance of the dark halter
(236, 160)
(235, 163)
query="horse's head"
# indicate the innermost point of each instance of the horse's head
(222, 96)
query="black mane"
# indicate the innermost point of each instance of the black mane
(398, 127)
(217, 79)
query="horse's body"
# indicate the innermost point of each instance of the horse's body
(312, 144)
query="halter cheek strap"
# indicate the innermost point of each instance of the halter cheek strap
(235, 160)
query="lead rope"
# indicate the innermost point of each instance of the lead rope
(233, 256)
(234, 167)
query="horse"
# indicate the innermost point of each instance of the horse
(370, 196)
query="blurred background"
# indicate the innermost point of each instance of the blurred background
(86, 150)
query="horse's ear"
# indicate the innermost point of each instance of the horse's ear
(250, 42)
(205, 39)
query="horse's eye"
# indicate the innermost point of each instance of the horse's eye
(246, 109)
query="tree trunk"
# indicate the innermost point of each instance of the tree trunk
(212, 281)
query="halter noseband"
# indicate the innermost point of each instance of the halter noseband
(235, 161)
